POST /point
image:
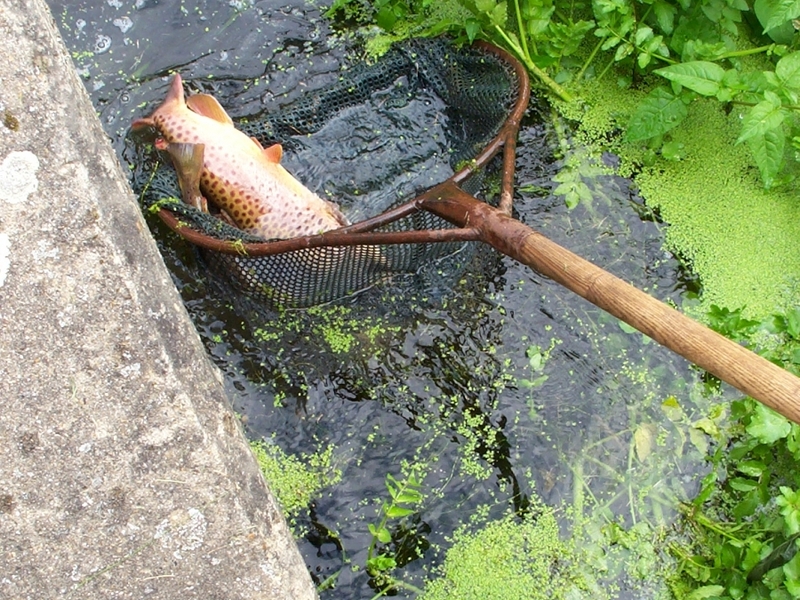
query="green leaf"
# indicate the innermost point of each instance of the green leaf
(383, 535)
(761, 118)
(707, 591)
(767, 149)
(768, 426)
(381, 563)
(699, 75)
(792, 572)
(644, 440)
(408, 496)
(753, 468)
(499, 15)
(573, 192)
(788, 70)
(658, 113)
(672, 409)
(673, 151)
(537, 18)
(473, 28)
(665, 15)
(623, 51)
(485, 6)
(395, 512)
(793, 323)
(777, 12)
(642, 35)
(740, 484)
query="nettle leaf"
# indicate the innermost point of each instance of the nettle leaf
(788, 70)
(485, 6)
(665, 15)
(764, 116)
(658, 113)
(778, 12)
(699, 75)
(768, 426)
(767, 149)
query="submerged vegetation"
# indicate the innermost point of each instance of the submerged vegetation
(739, 534)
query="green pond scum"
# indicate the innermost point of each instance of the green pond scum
(741, 240)
(296, 481)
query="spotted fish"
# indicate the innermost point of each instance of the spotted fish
(217, 162)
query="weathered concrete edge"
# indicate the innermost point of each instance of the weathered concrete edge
(123, 471)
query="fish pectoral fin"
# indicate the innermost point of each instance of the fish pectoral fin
(188, 161)
(337, 213)
(274, 153)
(206, 105)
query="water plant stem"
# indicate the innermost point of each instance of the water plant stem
(532, 67)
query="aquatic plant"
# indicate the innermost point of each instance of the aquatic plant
(693, 49)
(508, 559)
(295, 481)
(739, 534)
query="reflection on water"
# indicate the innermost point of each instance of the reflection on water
(491, 379)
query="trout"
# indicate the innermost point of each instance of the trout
(217, 162)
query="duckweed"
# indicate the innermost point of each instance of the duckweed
(508, 559)
(741, 240)
(295, 481)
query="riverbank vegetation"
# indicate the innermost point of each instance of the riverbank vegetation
(698, 100)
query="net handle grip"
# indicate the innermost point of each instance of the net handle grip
(748, 372)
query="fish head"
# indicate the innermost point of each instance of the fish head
(163, 119)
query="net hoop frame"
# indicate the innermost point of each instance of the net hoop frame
(363, 232)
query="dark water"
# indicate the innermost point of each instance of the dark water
(493, 380)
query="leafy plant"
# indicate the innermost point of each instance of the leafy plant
(698, 46)
(404, 498)
(743, 526)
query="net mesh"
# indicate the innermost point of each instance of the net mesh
(387, 132)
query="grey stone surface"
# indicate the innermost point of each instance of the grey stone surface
(123, 473)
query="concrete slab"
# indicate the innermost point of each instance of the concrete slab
(123, 473)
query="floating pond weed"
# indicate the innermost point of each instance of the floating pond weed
(513, 558)
(295, 481)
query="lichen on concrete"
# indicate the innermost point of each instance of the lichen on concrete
(18, 176)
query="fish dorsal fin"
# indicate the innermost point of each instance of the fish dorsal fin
(274, 153)
(206, 105)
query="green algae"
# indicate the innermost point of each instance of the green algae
(509, 559)
(742, 241)
(295, 481)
